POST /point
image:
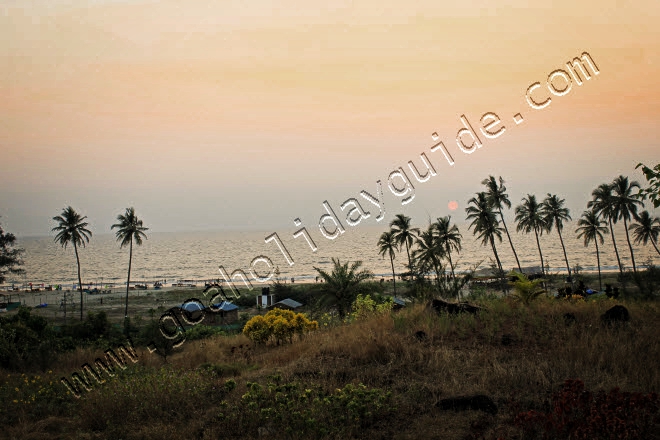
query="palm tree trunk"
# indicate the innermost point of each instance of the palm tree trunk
(497, 258)
(538, 244)
(75, 248)
(408, 252)
(632, 256)
(600, 283)
(616, 251)
(451, 264)
(561, 240)
(393, 274)
(654, 245)
(128, 282)
(436, 268)
(510, 242)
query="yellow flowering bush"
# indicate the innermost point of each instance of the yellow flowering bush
(279, 324)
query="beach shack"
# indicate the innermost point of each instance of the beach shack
(286, 304)
(225, 313)
(266, 299)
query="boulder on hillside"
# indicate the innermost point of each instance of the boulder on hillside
(569, 319)
(444, 306)
(477, 402)
(420, 335)
(616, 315)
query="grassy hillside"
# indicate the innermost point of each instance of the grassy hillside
(372, 378)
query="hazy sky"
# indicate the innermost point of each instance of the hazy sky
(232, 114)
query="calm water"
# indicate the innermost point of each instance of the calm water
(197, 255)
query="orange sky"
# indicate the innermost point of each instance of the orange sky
(217, 114)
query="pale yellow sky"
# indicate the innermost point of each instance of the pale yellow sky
(249, 114)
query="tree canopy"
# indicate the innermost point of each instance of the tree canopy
(10, 256)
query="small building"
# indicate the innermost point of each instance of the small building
(286, 304)
(266, 299)
(224, 313)
(398, 303)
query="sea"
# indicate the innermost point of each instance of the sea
(172, 257)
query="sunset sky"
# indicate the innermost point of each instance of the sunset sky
(247, 115)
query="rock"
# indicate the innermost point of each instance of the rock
(444, 306)
(569, 319)
(508, 339)
(420, 335)
(615, 315)
(477, 402)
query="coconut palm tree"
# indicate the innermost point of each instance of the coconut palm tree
(72, 228)
(342, 284)
(388, 245)
(498, 197)
(129, 229)
(530, 218)
(404, 233)
(603, 204)
(448, 237)
(625, 206)
(646, 229)
(484, 222)
(525, 290)
(592, 228)
(555, 213)
(429, 252)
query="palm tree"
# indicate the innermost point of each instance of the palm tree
(647, 229)
(498, 197)
(429, 252)
(603, 204)
(625, 206)
(525, 290)
(342, 285)
(388, 245)
(448, 238)
(72, 228)
(592, 228)
(555, 214)
(129, 229)
(530, 218)
(484, 222)
(403, 233)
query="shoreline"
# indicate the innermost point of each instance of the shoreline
(113, 288)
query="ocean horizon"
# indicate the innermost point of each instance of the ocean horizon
(198, 255)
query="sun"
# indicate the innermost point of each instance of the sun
(453, 205)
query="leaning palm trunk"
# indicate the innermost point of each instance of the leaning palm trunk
(451, 264)
(436, 267)
(538, 244)
(75, 248)
(499, 265)
(616, 251)
(510, 242)
(393, 275)
(655, 246)
(561, 240)
(497, 257)
(128, 282)
(632, 255)
(600, 283)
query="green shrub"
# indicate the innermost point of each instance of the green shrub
(306, 412)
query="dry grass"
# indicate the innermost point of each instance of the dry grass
(461, 355)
